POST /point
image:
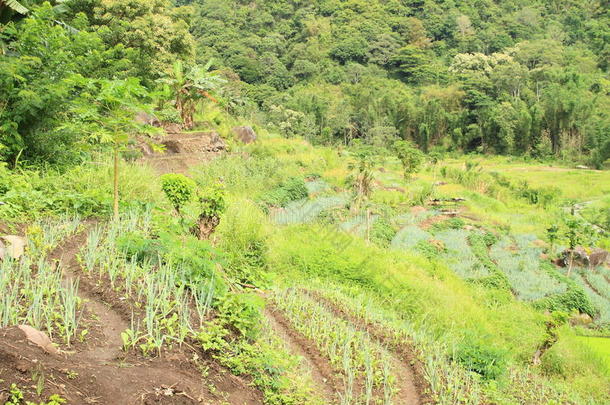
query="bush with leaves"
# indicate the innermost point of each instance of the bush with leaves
(410, 157)
(212, 205)
(290, 190)
(479, 356)
(178, 189)
(364, 159)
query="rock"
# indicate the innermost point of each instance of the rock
(2, 250)
(171, 127)
(196, 142)
(580, 319)
(13, 246)
(583, 258)
(582, 167)
(144, 118)
(598, 257)
(245, 134)
(39, 338)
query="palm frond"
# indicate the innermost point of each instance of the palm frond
(15, 6)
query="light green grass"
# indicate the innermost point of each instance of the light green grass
(600, 345)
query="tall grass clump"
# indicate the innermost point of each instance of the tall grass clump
(242, 236)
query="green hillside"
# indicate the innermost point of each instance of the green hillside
(304, 202)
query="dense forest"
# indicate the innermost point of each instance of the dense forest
(508, 77)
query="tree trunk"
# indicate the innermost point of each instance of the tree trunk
(571, 264)
(116, 184)
(206, 226)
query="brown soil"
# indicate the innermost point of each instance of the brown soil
(98, 371)
(182, 151)
(177, 163)
(408, 370)
(326, 383)
(427, 223)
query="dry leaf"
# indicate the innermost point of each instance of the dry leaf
(39, 338)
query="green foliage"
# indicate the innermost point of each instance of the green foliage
(37, 82)
(85, 190)
(410, 157)
(242, 312)
(479, 243)
(237, 339)
(573, 299)
(456, 223)
(178, 189)
(188, 86)
(152, 35)
(429, 249)
(477, 355)
(382, 232)
(293, 189)
(243, 239)
(450, 76)
(212, 203)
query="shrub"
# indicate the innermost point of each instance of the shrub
(178, 189)
(430, 249)
(242, 312)
(451, 223)
(480, 357)
(479, 244)
(136, 246)
(292, 189)
(573, 299)
(382, 232)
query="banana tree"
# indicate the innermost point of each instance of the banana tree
(189, 86)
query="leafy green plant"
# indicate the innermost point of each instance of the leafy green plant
(481, 358)
(293, 189)
(553, 236)
(212, 205)
(410, 157)
(178, 189)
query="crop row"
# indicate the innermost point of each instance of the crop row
(521, 264)
(33, 291)
(360, 360)
(167, 310)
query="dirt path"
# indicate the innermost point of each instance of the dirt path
(112, 324)
(326, 384)
(124, 378)
(407, 370)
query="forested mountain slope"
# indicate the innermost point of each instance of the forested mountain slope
(523, 77)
